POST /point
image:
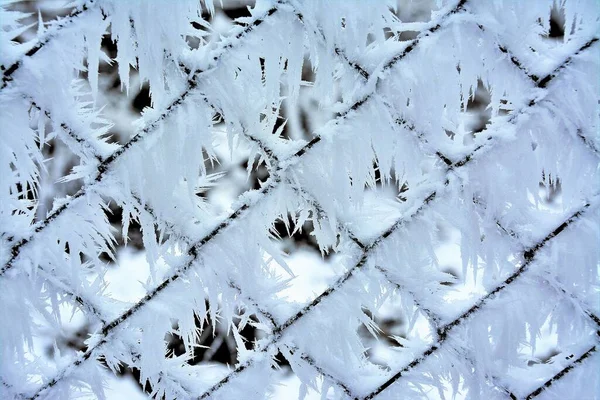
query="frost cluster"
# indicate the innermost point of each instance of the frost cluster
(518, 197)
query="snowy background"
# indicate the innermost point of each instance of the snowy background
(314, 270)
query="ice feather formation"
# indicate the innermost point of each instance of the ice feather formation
(398, 110)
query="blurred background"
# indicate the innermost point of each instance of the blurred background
(313, 269)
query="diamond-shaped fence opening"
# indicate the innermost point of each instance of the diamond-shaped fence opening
(443, 159)
(401, 329)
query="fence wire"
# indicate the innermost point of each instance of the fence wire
(442, 330)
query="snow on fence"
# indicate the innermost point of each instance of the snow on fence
(399, 99)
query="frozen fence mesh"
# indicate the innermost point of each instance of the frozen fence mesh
(339, 104)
